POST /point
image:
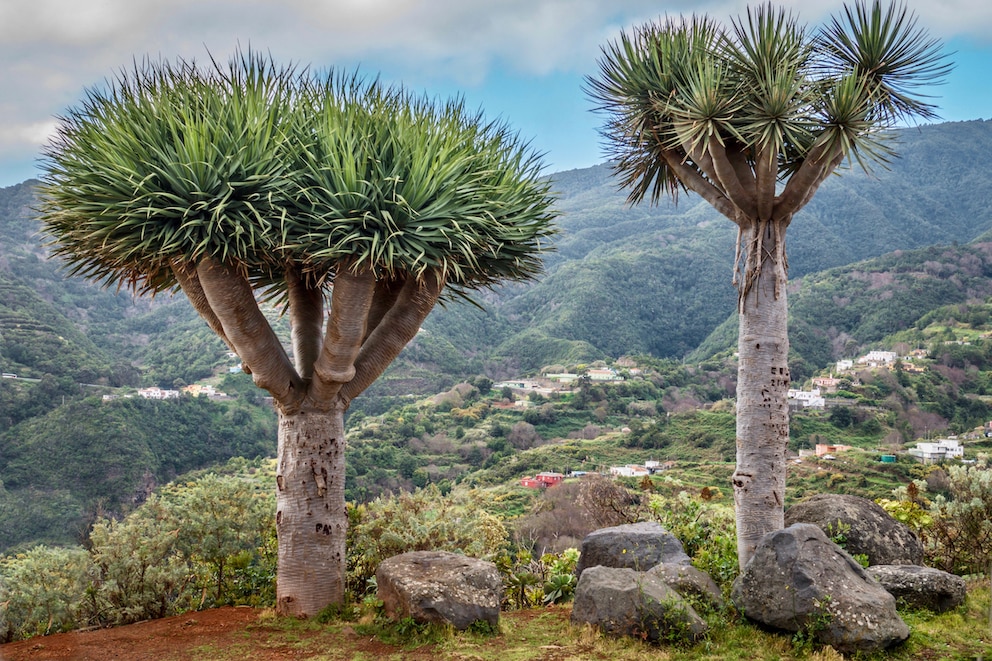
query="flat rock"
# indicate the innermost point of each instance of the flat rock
(637, 546)
(437, 586)
(921, 587)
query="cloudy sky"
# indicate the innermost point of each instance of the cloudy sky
(520, 60)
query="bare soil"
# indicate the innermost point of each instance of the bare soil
(241, 634)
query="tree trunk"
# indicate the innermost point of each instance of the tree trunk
(311, 520)
(762, 395)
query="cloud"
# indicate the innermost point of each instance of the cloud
(31, 135)
(53, 49)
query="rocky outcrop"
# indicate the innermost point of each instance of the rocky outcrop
(624, 602)
(637, 546)
(437, 586)
(868, 529)
(798, 580)
(921, 587)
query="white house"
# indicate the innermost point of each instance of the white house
(933, 451)
(158, 393)
(878, 358)
(808, 398)
(603, 375)
(630, 470)
(844, 365)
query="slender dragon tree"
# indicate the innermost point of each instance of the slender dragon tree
(352, 205)
(753, 117)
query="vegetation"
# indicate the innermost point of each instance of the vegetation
(92, 459)
(198, 544)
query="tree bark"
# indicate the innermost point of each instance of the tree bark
(762, 390)
(311, 520)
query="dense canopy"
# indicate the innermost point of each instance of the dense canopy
(259, 166)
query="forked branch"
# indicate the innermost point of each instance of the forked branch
(232, 300)
(399, 325)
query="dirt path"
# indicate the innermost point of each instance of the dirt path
(236, 634)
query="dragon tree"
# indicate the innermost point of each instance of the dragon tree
(753, 117)
(352, 205)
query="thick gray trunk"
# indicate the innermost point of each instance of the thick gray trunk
(762, 404)
(310, 511)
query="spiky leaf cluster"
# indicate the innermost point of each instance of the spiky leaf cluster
(261, 167)
(763, 86)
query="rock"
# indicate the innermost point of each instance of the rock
(868, 528)
(690, 583)
(437, 586)
(624, 602)
(637, 546)
(798, 579)
(921, 587)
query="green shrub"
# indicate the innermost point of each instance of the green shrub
(707, 531)
(141, 571)
(419, 521)
(43, 591)
(959, 536)
(222, 523)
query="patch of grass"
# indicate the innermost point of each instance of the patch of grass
(406, 633)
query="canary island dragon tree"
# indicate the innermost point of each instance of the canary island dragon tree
(753, 117)
(353, 205)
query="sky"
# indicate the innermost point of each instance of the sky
(521, 61)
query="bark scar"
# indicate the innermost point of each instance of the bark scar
(321, 480)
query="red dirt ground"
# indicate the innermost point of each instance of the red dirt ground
(176, 638)
(240, 634)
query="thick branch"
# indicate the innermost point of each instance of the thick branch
(766, 173)
(398, 327)
(306, 318)
(838, 159)
(387, 291)
(351, 299)
(737, 155)
(190, 284)
(694, 181)
(726, 174)
(818, 165)
(231, 298)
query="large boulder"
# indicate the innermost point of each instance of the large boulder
(798, 580)
(921, 587)
(437, 586)
(637, 546)
(868, 529)
(624, 602)
(692, 584)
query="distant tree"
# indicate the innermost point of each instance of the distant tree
(753, 118)
(352, 205)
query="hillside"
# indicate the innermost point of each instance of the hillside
(90, 458)
(648, 279)
(873, 259)
(658, 279)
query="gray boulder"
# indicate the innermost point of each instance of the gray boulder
(921, 587)
(692, 584)
(867, 527)
(437, 586)
(624, 602)
(637, 546)
(798, 580)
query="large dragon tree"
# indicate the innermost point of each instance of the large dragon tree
(351, 204)
(753, 118)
